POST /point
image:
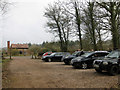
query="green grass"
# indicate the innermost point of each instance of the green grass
(6, 60)
(0, 65)
(0, 60)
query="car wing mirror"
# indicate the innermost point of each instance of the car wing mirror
(119, 58)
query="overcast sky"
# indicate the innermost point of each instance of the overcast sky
(24, 22)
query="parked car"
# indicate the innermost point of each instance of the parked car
(67, 60)
(46, 54)
(57, 56)
(111, 63)
(86, 60)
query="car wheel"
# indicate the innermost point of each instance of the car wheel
(49, 60)
(67, 63)
(76, 66)
(113, 70)
(98, 70)
(84, 65)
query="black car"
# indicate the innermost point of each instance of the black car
(111, 63)
(56, 56)
(67, 60)
(86, 60)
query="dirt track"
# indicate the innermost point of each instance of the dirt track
(30, 73)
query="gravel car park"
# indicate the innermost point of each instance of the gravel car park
(24, 72)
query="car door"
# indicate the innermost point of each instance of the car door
(119, 59)
(98, 55)
(93, 57)
(58, 57)
(65, 55)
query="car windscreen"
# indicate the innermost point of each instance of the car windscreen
(57, 53)
(49, 53)
(87, 54)
(52, 54)
(114, 54)
(66, 54)
(75, 53)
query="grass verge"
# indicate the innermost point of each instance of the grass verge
(5, 72)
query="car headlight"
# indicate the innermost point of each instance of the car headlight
(78, 59)
(71, 62)
(66, 57)
(105, 63)
(94, 62)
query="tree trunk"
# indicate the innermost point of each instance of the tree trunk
(78, 22)
(92, 25)
(114, 30)
(100, 43)
(32, 56)
(115, 39)
(60, 35)
(65, 45)
(35, 57)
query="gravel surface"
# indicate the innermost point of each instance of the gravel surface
(31, 73)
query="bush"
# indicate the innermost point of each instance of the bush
(14, 52)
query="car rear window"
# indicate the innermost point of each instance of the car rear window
(100, 54)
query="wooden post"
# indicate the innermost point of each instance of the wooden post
(8, 47)
(10, 52)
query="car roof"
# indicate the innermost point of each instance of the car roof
(94, 52)
(117, 50)
(102, 51)
(62, 52)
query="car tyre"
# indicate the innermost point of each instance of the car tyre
(114, 70)
(98, 70)
(84, 65)
(76, 66)
(67, 63)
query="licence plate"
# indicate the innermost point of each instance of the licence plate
(96, 66)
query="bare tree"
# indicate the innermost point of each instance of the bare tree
(4, 6)
(73, 8)
(112, 9)
(59, 23)
(90, 23)
(78, 22)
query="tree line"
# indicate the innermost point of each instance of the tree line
(92, 23)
